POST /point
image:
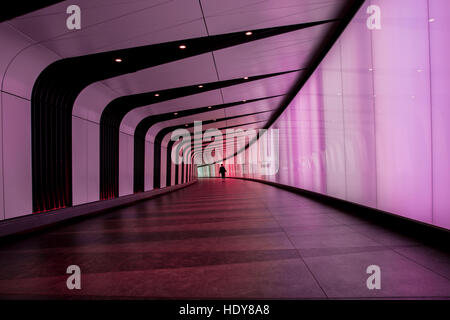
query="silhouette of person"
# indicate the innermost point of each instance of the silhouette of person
(222, 171)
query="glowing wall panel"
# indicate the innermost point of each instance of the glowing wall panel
(327, 94)
(402, 109)
(126, 145)
(163, 167)
(371, 125)
(439, 10)
(358, 112)
(79, 161)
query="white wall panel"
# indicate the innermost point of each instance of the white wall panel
(79, 161)
(163, 166)
(172, 174)
(148, 166)
(85, 161)
(16, 156)
(125, 164)
(93, 161)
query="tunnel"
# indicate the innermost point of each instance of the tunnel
(211, 149)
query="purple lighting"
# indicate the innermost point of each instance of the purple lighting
(371, 124)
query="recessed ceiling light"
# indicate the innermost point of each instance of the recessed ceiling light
(248, 33)
(175, 113)
(200, 86)
(182, 46)
(156, 94)
(186, 125)
(209, 107)
(118, 60)
(245, 78)
(244, 100)
(431, 20)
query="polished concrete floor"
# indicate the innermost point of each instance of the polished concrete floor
(231, 239)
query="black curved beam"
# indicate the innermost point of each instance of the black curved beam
(57, 87)
(145, 124)
(116, 110)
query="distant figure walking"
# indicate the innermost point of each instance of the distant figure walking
(222, 171)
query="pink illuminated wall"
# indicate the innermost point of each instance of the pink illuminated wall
(371, 125)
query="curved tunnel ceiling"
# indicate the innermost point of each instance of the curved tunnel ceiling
(231, 40)
(19, 8)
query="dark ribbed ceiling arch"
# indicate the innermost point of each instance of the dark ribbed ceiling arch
(116, 110)
(163, 132)
(145, 124)
(57, 87)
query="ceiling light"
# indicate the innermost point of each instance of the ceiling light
(182, 46)
(186, 125)
(431, 20)
(118, 60)
(209, 107)
(175, 113)
(245, 78)
(156, 94)
(244, 100)
(248, 33)
(200, 86)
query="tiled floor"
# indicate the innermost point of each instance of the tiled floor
(232, 239)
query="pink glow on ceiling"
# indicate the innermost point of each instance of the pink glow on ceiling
(371, 124)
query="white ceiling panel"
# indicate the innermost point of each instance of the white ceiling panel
(223, 16)
(113, 24)
(196, 101)
(252, 118)
(288, 51)
(262, 105)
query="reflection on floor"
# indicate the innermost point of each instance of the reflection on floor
(232, 239)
